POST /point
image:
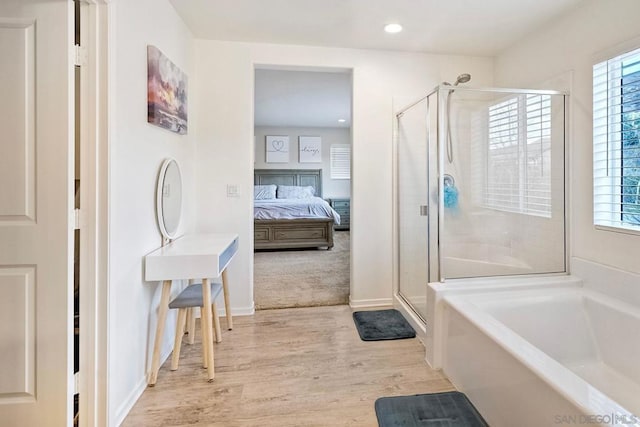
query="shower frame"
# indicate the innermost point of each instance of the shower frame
(435, 227)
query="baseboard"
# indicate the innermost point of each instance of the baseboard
(132, 398)
(239, 311)
(128, 403)
(236, 311)
(367, 303)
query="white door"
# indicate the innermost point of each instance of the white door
(35, 210)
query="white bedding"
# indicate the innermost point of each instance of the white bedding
(313, 207)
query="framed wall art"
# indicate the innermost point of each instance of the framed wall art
(277, 149)
(166, 92)
(310, 148)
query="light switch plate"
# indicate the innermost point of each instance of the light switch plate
(232, 190)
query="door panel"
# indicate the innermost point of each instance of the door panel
(18, 304)
(17, 85)
(36, 244)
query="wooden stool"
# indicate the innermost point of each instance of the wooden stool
(189, 298)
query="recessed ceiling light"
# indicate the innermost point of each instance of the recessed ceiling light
(341, 120)
(393, 28)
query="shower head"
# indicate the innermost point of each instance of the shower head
(462, 78)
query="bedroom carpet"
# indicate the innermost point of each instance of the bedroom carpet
(302, 278)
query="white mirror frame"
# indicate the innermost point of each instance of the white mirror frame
(159, 204)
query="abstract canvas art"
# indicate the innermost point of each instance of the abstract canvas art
(166, 92)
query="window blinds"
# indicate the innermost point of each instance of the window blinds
(519, 155)
(616, 147)
(340, 161)
(538, 152)
(503, 158)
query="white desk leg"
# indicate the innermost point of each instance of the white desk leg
(227, 304)
(205, 317)
(157, 344)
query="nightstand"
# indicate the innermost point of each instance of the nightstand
(343, 207)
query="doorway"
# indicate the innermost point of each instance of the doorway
(302, 131)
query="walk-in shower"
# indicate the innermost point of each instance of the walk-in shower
(480, 186)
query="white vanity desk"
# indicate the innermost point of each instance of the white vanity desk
(193, 256)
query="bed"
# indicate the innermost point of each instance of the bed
(288, 223)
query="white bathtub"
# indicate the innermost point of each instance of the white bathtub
(544, 357)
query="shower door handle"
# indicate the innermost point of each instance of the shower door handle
(424, 210)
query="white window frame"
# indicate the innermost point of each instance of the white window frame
(340, 159)
(607, 145)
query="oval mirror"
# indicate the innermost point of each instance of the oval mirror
(169, 198)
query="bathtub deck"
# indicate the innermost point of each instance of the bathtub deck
(611, 382)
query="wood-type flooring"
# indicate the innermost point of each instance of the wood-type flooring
(287, 367)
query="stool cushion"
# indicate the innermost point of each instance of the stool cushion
(191, 296)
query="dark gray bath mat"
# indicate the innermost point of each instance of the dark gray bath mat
(381, 325)
(450, 409)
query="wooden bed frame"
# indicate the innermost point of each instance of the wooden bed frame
(292, 233)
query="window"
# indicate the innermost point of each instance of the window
(519, 155)
(616, 146)
(340, 161)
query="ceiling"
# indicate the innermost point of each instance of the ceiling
(465, 27)
(302, 98)
(319, 99)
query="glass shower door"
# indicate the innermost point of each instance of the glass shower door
(502, 210)
(412, 202)
(480, 176)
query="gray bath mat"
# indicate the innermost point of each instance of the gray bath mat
(451, 409)
(381, 325)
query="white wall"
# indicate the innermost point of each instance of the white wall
(330, 136)
(568, 47)
(224, 106)
(136, 153)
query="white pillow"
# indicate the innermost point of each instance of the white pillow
(295, 192)
(264, 192)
